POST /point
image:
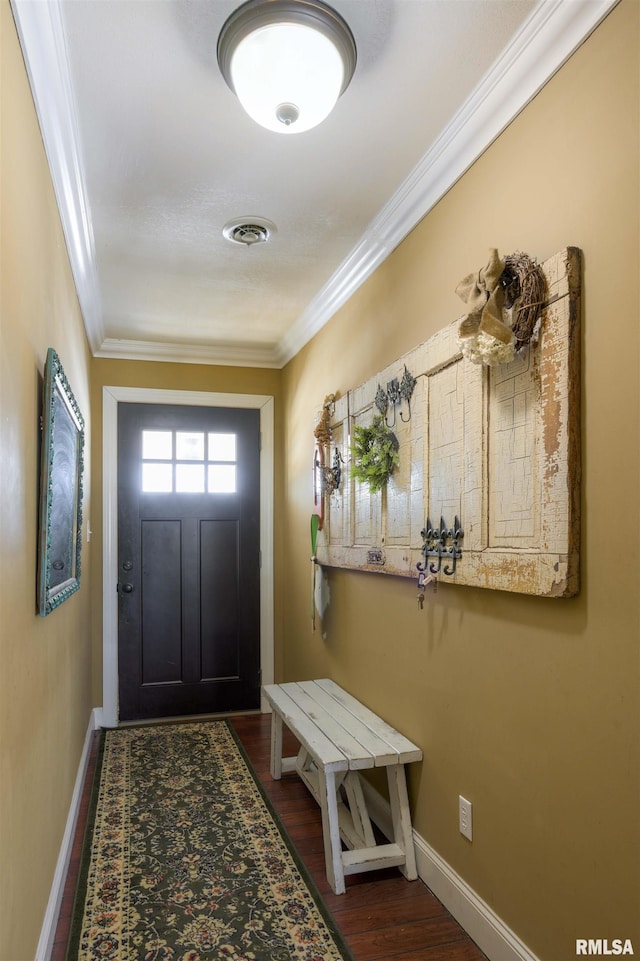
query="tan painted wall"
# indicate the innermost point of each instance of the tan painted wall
(163, 376)
(45, 698)
(529, 707)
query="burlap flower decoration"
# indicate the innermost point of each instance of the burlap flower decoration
(484, 336)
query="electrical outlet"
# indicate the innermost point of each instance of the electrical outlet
(465, 819)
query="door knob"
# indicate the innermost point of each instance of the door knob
(126, 588)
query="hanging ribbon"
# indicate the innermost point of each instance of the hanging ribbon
(483, 294)
(315, 523)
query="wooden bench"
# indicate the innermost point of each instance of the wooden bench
(338, 737)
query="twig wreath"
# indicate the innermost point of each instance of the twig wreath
(525, 291)
(374, 453)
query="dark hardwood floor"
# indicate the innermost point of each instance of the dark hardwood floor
(382, 916)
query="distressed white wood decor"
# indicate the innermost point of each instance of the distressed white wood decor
(498, 447)
(338, 737)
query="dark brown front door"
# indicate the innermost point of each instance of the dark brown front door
(188, 560)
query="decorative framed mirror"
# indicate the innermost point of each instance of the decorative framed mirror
(60, 528)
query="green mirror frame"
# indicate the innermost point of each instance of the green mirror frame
(60, 531)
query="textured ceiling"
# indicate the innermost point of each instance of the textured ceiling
(152, 154)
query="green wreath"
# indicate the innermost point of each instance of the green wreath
(374, 453)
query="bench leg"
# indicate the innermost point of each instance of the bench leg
(331, 831)
(401, 817)
(358, 810)
(276, 746)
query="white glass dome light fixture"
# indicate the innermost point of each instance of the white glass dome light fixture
(287, 61)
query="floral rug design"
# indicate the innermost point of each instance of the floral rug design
(187, 861)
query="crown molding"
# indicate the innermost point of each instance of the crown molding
(41, 34)
(174, 353)
(554, 31)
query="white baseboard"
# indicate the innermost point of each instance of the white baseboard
(48, 932)
(480, 922)
(99, 718)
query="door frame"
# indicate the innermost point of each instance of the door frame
(111, 397)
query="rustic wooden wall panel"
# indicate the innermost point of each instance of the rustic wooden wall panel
(497, 447)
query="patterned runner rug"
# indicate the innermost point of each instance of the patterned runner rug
(185, 859)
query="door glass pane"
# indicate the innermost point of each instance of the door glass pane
(157, 478)
(189, 446)
(222, 478)
(222, 446)
(190, 478)
(156, 444)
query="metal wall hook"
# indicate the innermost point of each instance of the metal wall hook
(440, 538)
(456, 534)
(427, 536)
(393, 396)
(393, 391)
(381, 400)
(429, 548)
(407, 385)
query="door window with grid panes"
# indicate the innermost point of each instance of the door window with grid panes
(188, 462)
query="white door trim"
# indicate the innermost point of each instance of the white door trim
(111, 396)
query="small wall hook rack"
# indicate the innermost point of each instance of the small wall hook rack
(396, 392)
(443, 543)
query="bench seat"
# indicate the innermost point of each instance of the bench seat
(339, 737)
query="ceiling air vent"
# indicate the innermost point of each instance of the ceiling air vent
(249, 231)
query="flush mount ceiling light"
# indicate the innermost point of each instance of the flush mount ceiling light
(287, 61)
